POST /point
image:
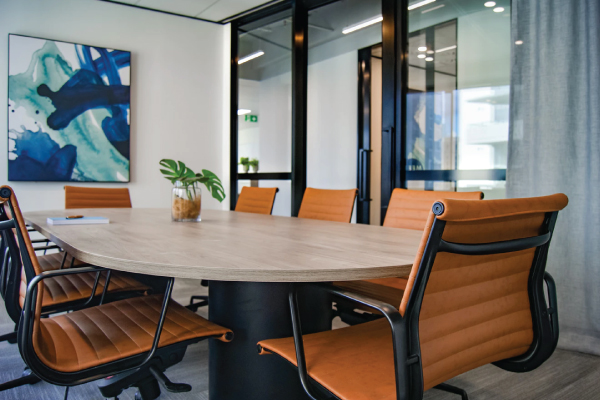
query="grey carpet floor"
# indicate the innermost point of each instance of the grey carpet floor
(567, 375)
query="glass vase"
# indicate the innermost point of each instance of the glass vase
(186, 203)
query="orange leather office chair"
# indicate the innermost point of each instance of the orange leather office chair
(132, 340)
(408, 209)
(328, 205)
(475, 296)
(256, 200)
(62, 293)
(251, 200)
(88, 197)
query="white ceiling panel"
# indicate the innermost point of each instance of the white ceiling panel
(226, 8)
(186, 7)
(213, 10)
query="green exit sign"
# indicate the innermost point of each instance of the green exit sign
(251, 118)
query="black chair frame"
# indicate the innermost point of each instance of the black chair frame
(405, 329)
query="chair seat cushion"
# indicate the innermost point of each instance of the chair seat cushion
(353, 363)
(98, 335)
(68, 288)
(78, 287)
(53, 261)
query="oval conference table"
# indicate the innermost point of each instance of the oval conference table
(250, 260)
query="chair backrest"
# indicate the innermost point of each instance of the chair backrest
(409, 209)
(475, 294)
(29, 260)
(87, 197)
(256, 200)
(328, 205)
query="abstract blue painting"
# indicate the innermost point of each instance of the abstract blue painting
(68, 111)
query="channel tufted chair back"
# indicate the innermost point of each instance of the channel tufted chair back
(328, 205)
(476, 308)
(256, 200)
(409, 209)
(87, 197)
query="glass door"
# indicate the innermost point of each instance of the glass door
(264, 106)
(336, 34)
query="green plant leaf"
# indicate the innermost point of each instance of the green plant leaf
(213, 184)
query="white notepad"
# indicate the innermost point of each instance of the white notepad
(78, 221)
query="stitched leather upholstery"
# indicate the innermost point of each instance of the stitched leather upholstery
(327, 205)
(256, 200)
(475, 310)
(87, 197)
(98, 335)
(408, 209)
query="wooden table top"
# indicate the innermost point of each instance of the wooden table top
(233, 246)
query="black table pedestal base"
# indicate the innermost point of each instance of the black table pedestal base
(258, 311)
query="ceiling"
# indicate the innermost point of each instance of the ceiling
(212, 10)
(273, 34)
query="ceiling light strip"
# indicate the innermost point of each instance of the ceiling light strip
(420, 4)
(433, 9)
(361, 25)
(251, 56)
(446, 49)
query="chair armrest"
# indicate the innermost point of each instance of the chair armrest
(51, 247)
(394, 318)
(553, 304)
(39, 240)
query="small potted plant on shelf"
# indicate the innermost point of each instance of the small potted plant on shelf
(253, 164)
(186, 202)
(245, 163)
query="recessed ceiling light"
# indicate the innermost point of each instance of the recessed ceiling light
(489, 3)
(429, 59)
(364, 24)
(421, 56)
(251, 56)
(519, 42)
(244, 111)
(498, 9)
(430, 51)
(420, 4)
(422, 48)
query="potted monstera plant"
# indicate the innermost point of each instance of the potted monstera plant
(186, 201)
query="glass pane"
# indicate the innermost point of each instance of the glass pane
(459, 76)
(265, 95)
(335, 35)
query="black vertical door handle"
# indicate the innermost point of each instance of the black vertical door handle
(363, 163)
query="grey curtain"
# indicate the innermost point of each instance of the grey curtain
(554, 146)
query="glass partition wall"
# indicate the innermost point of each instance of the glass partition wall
(371, 94)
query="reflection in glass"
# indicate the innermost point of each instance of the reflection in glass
(458, 101)
(264, 93)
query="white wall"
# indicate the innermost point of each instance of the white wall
(332, 123)
(179, 72)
